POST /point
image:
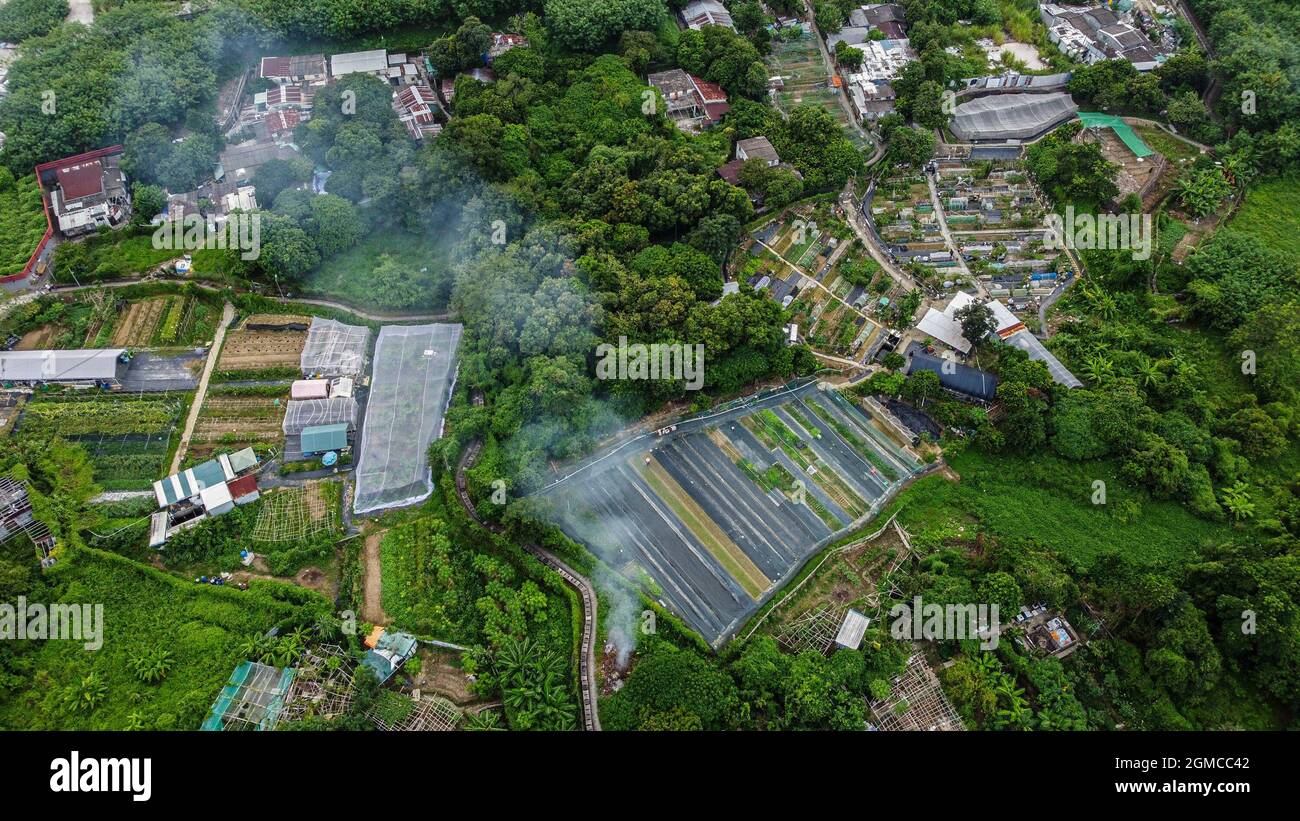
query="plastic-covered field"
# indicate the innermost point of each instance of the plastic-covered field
(410, 386)
(306, 413)
(334, 349)
(1011, 116)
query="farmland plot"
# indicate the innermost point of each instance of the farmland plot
(127, 438)
(716, 516)
(135, 328)
(248, 350)
(231, 422)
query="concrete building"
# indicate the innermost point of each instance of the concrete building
(1091, 34)
(757, 148)
(693, 104)
(86, 191)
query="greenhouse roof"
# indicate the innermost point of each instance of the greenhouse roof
(413, 375)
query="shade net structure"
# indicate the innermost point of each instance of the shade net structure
(308, 413)
(251, 700)
(1011, 116)
(334, 349)
(411, 383)
(1123, 130)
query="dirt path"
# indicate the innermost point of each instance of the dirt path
(373, 608)
(227, 316)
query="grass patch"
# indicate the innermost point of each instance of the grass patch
(22, 223)
(350, 275)
(1169, 146)
(1271, 214)
(1049, 500)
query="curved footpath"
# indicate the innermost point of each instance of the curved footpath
(324, 303)
(587, 656)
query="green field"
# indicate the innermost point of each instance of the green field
(1271, 214)
(1172, 148)
(199, 626)
(22, 222)
(350, 275)
(1049, 500)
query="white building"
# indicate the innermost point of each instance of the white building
(360, 62)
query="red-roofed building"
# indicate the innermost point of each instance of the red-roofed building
(86, 191)
(282, 122)
(416, 106)
(692, 103)
(244, 489)
(300, 68)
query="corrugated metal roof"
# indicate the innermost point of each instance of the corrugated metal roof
(954, 376)
(189, 482)
(51, 366)
(242, 460)
(376, 60)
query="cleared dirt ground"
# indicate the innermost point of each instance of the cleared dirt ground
(137, 326)
(255, 350)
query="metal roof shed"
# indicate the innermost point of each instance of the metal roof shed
(852, 630)
(59, 366)
(189, 483)
(241, 460)
(309, 389)
(216, 499)
(320, 438)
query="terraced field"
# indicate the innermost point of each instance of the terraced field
(230, 422)
(720, 513)
(251, 350)
(136, 327)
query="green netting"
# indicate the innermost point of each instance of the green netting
(253, 699)
(1123, 130)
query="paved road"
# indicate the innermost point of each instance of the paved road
(587, 651)
(868, 239)
(227, 316)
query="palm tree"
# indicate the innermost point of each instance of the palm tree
(1099, 369)
(1148, 372)
(513, 658)
(1237, 500)
(483, 720)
